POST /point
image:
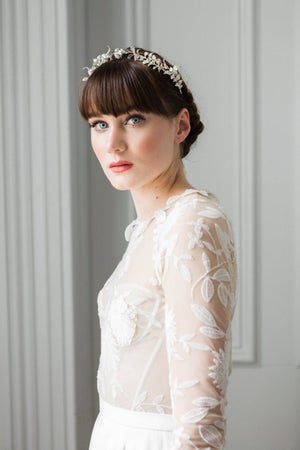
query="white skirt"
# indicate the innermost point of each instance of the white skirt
(122, 429)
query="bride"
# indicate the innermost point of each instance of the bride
(166, 310)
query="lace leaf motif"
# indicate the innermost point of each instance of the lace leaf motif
(212, 282)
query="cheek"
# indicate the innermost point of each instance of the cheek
(97, 148)
(94, 143)
(154, 146)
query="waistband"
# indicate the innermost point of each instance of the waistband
(140, 419)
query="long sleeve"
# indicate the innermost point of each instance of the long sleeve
(199, 281)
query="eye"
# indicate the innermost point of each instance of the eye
(99, 125)
(135, 119)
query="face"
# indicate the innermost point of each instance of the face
(146, 143)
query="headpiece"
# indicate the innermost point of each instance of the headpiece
(147, 58)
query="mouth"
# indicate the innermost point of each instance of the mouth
(120, 166)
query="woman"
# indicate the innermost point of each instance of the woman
(166, 311)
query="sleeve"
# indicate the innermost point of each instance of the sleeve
(199, 283)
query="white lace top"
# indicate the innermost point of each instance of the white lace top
(165, 317)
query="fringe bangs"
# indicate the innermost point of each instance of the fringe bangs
(118, 87)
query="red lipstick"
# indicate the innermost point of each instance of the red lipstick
(120, 166)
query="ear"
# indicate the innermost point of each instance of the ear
(183, 125)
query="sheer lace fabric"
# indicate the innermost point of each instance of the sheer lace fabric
(165, 316)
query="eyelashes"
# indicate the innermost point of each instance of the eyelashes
(136, 116)
(132, 119)
(93, 124)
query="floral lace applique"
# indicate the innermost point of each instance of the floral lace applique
(166, 319)
(123, 319)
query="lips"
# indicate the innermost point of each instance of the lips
(120, 166)
(120, 163)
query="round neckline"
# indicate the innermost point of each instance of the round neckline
(140, 225)
(168, 203)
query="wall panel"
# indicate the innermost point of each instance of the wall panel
(216, 50)
(39, 389)
(297, 180)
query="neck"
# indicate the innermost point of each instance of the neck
(150, 198)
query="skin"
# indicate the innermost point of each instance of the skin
(152, 143)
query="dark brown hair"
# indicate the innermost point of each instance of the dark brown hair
(122, 85)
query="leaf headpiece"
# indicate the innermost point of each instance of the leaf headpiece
(147, 58)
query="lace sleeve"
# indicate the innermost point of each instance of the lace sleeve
(199, 282)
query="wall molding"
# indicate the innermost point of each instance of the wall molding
(137, 22)
(296, 203)
(244, 344)
(38, 391)
(138, 30)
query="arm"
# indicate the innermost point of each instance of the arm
(199, 278)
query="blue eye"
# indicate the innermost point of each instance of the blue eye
(135, 120)
(99, 125)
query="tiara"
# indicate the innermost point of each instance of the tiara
(147, 58)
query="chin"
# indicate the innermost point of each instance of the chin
(120, 186)
(123, 184)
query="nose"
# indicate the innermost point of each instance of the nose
(116, 141)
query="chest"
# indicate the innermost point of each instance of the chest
(131, 302)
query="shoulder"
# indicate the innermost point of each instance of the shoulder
(194, 218)
(197, 207)
(197, 227)
(195, 236)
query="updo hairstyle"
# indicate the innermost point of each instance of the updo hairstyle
(121, 85)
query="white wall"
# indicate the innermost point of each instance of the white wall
(46, 373)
